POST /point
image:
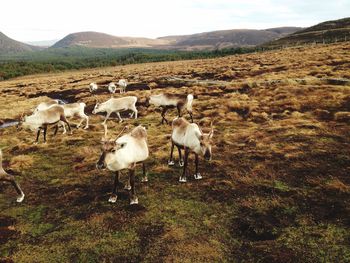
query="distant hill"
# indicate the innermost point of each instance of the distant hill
(227, 38)
(208, 40)
(9, 45)
(329, 31)
(101, 40)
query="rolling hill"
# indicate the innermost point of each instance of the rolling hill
(208, 40)
(102, 40)
(9, 45)
(227, 38)
(329, 31)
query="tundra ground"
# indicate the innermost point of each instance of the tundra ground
(277, 189)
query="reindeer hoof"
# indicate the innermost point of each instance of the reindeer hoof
(87, 127)
(182, 180)
(127, 187)
(171, 163)
(181, 163)
(144, 179)
(198, 176)
(134, 201)
(113, 199)
(20, 199)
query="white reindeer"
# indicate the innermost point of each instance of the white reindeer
(93, 87)
(112, 87)
(124, 153)
(40, 120)
(167, 101)
(45, 105)
(4, 176)
(122, 83)
(76, 110)
(117, 105)
(189, 136)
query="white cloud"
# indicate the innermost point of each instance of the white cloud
(42, 19)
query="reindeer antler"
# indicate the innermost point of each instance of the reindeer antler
(125, 128)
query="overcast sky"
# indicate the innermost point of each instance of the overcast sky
(33, 20)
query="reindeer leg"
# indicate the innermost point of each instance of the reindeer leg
(64, 119)
(87, 122)
(183, 178)
(127, 185)
(178, 110)
(163, 115)
(197, 175)
(114, 196)
(120, 118)
(133, 197)
(11, 179)
(107, 116)
(144, 174)
(45, 131)
(181, 161)
(37, 136)
(56, 130)
(171, 161)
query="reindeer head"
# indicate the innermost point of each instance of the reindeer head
(205, 140)
(109, 149)
(21, 120)
(96, 108)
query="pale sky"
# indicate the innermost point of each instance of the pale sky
(35, 20)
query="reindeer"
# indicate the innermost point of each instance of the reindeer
(75, 109)
(189, 136)
(93, 87)
(117, 105)
(112, 87)
(167, 101)
(124, 153)
(4, 176)
(40, 120)
(70, 110)
(45, 105)
(122, 83)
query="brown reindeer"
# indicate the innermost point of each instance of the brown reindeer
(167, 101)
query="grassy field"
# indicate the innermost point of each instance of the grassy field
(277, 189)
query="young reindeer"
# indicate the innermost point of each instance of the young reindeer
(189, 136)
(4, 176)
(122, 83)
(93, 87)
(167, 101)
(40, 120)
(117, 105)
(124, 153)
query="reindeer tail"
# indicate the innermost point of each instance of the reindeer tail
(189, 102)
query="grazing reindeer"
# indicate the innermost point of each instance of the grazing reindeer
(93, 87)
(4, 176)
(124, 153)
(122, 83)
(40, 120)
(168, 101)
(112, 87)
(191, 138)
(70, 110)
(117, 105)
(45, 105)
